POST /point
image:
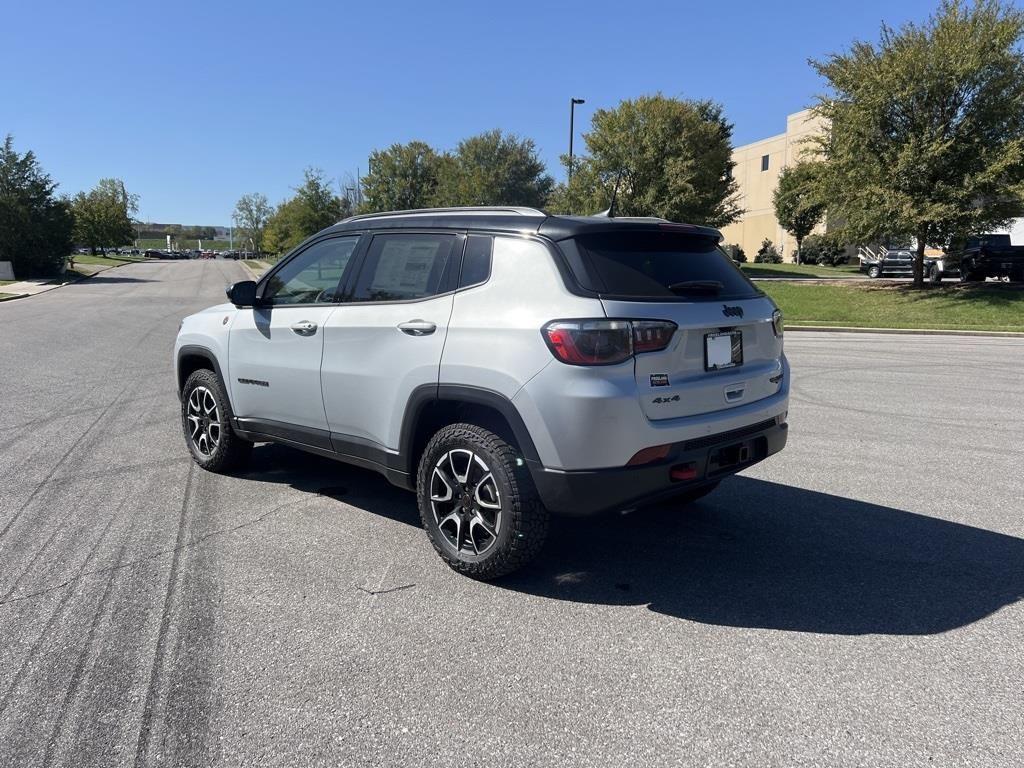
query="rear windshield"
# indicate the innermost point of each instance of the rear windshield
(656, 266)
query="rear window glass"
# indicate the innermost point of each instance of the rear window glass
(656, 265)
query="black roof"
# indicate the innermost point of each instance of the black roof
(516, 220)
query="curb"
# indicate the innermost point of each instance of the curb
(16, 296)
(903, 331)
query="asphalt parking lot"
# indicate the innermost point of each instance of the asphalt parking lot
(854, 600)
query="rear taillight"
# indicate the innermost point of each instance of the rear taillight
(605, 342)
(651, 335)
(777, 324)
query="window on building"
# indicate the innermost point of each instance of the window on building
(764, 162)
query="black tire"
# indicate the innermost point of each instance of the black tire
(224, 452)
(934, 275)
(694, 494)
(874, 272)
(466, 543)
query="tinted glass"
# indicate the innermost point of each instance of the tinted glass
(313, 275)
(655, 265)
(476, 263)
(404, 267)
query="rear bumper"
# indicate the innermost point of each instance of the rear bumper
(587, 492)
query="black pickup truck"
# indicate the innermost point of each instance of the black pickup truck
(985, 256)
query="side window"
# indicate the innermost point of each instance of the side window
(476, 263)
(764, 162)
(312, 276)
(403, 267)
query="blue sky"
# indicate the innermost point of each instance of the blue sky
(194, 104)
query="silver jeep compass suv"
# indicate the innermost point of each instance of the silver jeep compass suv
(500, 362)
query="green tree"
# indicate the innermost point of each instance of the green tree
(797, 205)
(319, 207)
(250, 216)
(925, 128)
(103, 215)
(314, 207)
(35, 225)
(669, 158)
(402, 177)
(283, 230)
(494, 169)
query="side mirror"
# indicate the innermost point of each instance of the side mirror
(242, 294)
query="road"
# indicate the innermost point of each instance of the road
(854, 600)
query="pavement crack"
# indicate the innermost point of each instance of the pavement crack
(384, 591)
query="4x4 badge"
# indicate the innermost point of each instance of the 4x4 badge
(732, 311)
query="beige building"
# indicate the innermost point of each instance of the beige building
(757, 170)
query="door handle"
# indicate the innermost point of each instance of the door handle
(304, 328)
(417, 327)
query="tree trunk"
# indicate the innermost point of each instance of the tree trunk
(799, 258)
(919, 261)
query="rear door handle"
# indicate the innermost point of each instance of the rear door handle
(417, 327)
(304, 328)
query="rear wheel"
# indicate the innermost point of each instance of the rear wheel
(478, 503)
(934, 275)
(206, 421)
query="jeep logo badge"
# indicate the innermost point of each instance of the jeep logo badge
(732, 311)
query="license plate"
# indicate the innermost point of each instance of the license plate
(723, 350)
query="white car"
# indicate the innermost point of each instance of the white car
(500, 362)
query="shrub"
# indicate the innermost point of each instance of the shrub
(823, 250)
(768, 253)
(737, 253)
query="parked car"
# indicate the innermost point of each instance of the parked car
(500, 362)
(984, 256)
(153, 253)
(899, 262)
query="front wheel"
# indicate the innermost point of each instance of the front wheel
(875, 272)
(206, 421)
(478, 503)
(934, 275)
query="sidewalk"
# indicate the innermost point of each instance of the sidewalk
(23, 288)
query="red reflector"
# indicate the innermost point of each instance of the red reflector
(684, 472)
(647, 455)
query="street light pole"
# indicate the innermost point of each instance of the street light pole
(572, 114)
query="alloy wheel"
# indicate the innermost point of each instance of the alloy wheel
(465, 501)
(204, 424)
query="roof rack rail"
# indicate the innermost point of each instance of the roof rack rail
(517, 210)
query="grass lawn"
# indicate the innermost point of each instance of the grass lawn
(257, 265)
(7, 282)
(799, 270)
(6, 296)
(985, 307)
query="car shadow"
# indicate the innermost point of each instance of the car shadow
(769, 556)
(753, 554)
